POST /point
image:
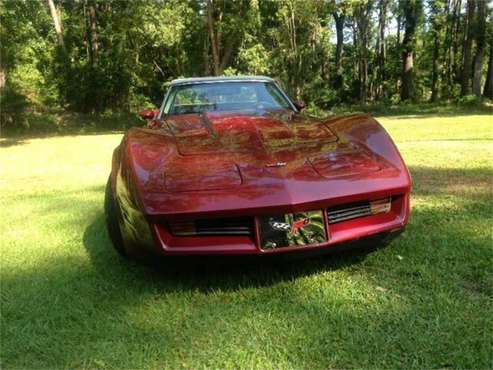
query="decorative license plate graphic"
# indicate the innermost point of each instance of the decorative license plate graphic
(293, 229)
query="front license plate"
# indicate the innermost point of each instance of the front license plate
(292, 229)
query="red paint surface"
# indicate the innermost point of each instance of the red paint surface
(190, 166)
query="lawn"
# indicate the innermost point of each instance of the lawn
(69, 301)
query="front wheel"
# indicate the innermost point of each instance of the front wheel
(112, 224)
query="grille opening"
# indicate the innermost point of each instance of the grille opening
(360, 209)
(213, 226)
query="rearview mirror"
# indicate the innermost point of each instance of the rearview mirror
(149, 114)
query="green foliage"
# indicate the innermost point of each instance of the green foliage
(122, 59)
(25, 54)
(13, 109)
(472, 101)
(254, 60)
(300, 43)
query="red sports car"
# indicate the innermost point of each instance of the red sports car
(231, 166)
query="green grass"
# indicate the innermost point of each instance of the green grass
(42, 124)
(469, 105)
(68, 301)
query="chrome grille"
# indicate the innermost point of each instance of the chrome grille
(356, 210)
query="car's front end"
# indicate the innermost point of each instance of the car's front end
(279, 232)
(222, 183)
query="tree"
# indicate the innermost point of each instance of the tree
(298, 38)
(254, 56)
(57, 23)
(456, 34)
(488, 85)
(95, 55)
(480, 38)
(451, 46)
(225, 30)
(93, 32)
(467, 49)
(362, 15)
(412, 11)
(339, 14)
(213, 38)
(436, 8)
(381, 47)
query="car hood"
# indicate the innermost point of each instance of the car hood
(221, 151)
(248, 155)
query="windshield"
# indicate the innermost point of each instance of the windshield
(225, 97)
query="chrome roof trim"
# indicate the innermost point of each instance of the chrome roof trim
(199, 80)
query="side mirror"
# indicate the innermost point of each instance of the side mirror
(300, 105)
(149, 114)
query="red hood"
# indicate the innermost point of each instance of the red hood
(257, 161)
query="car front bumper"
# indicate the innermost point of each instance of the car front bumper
(364, 230)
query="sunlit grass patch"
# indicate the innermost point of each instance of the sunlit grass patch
(69, 301)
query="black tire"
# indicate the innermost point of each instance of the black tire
(112, 224)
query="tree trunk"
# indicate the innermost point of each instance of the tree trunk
(364, 72)
(93, 26)
(87, 42)
(399, 28)
(3, 76)
(480, 35)
(436, 26)
(382, 52)
(435, 70)
(410, 18)
(488, 85)
(296, 80)
(226, 57)
(447, 46)
(57, 23)
(407, 86)
(339, 20)
(465, 83)
(355, 46)
(478, 68)
(207, 66)
(213, 38)
(363, 12)
(456, 33)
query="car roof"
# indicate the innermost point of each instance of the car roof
(195, 80)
